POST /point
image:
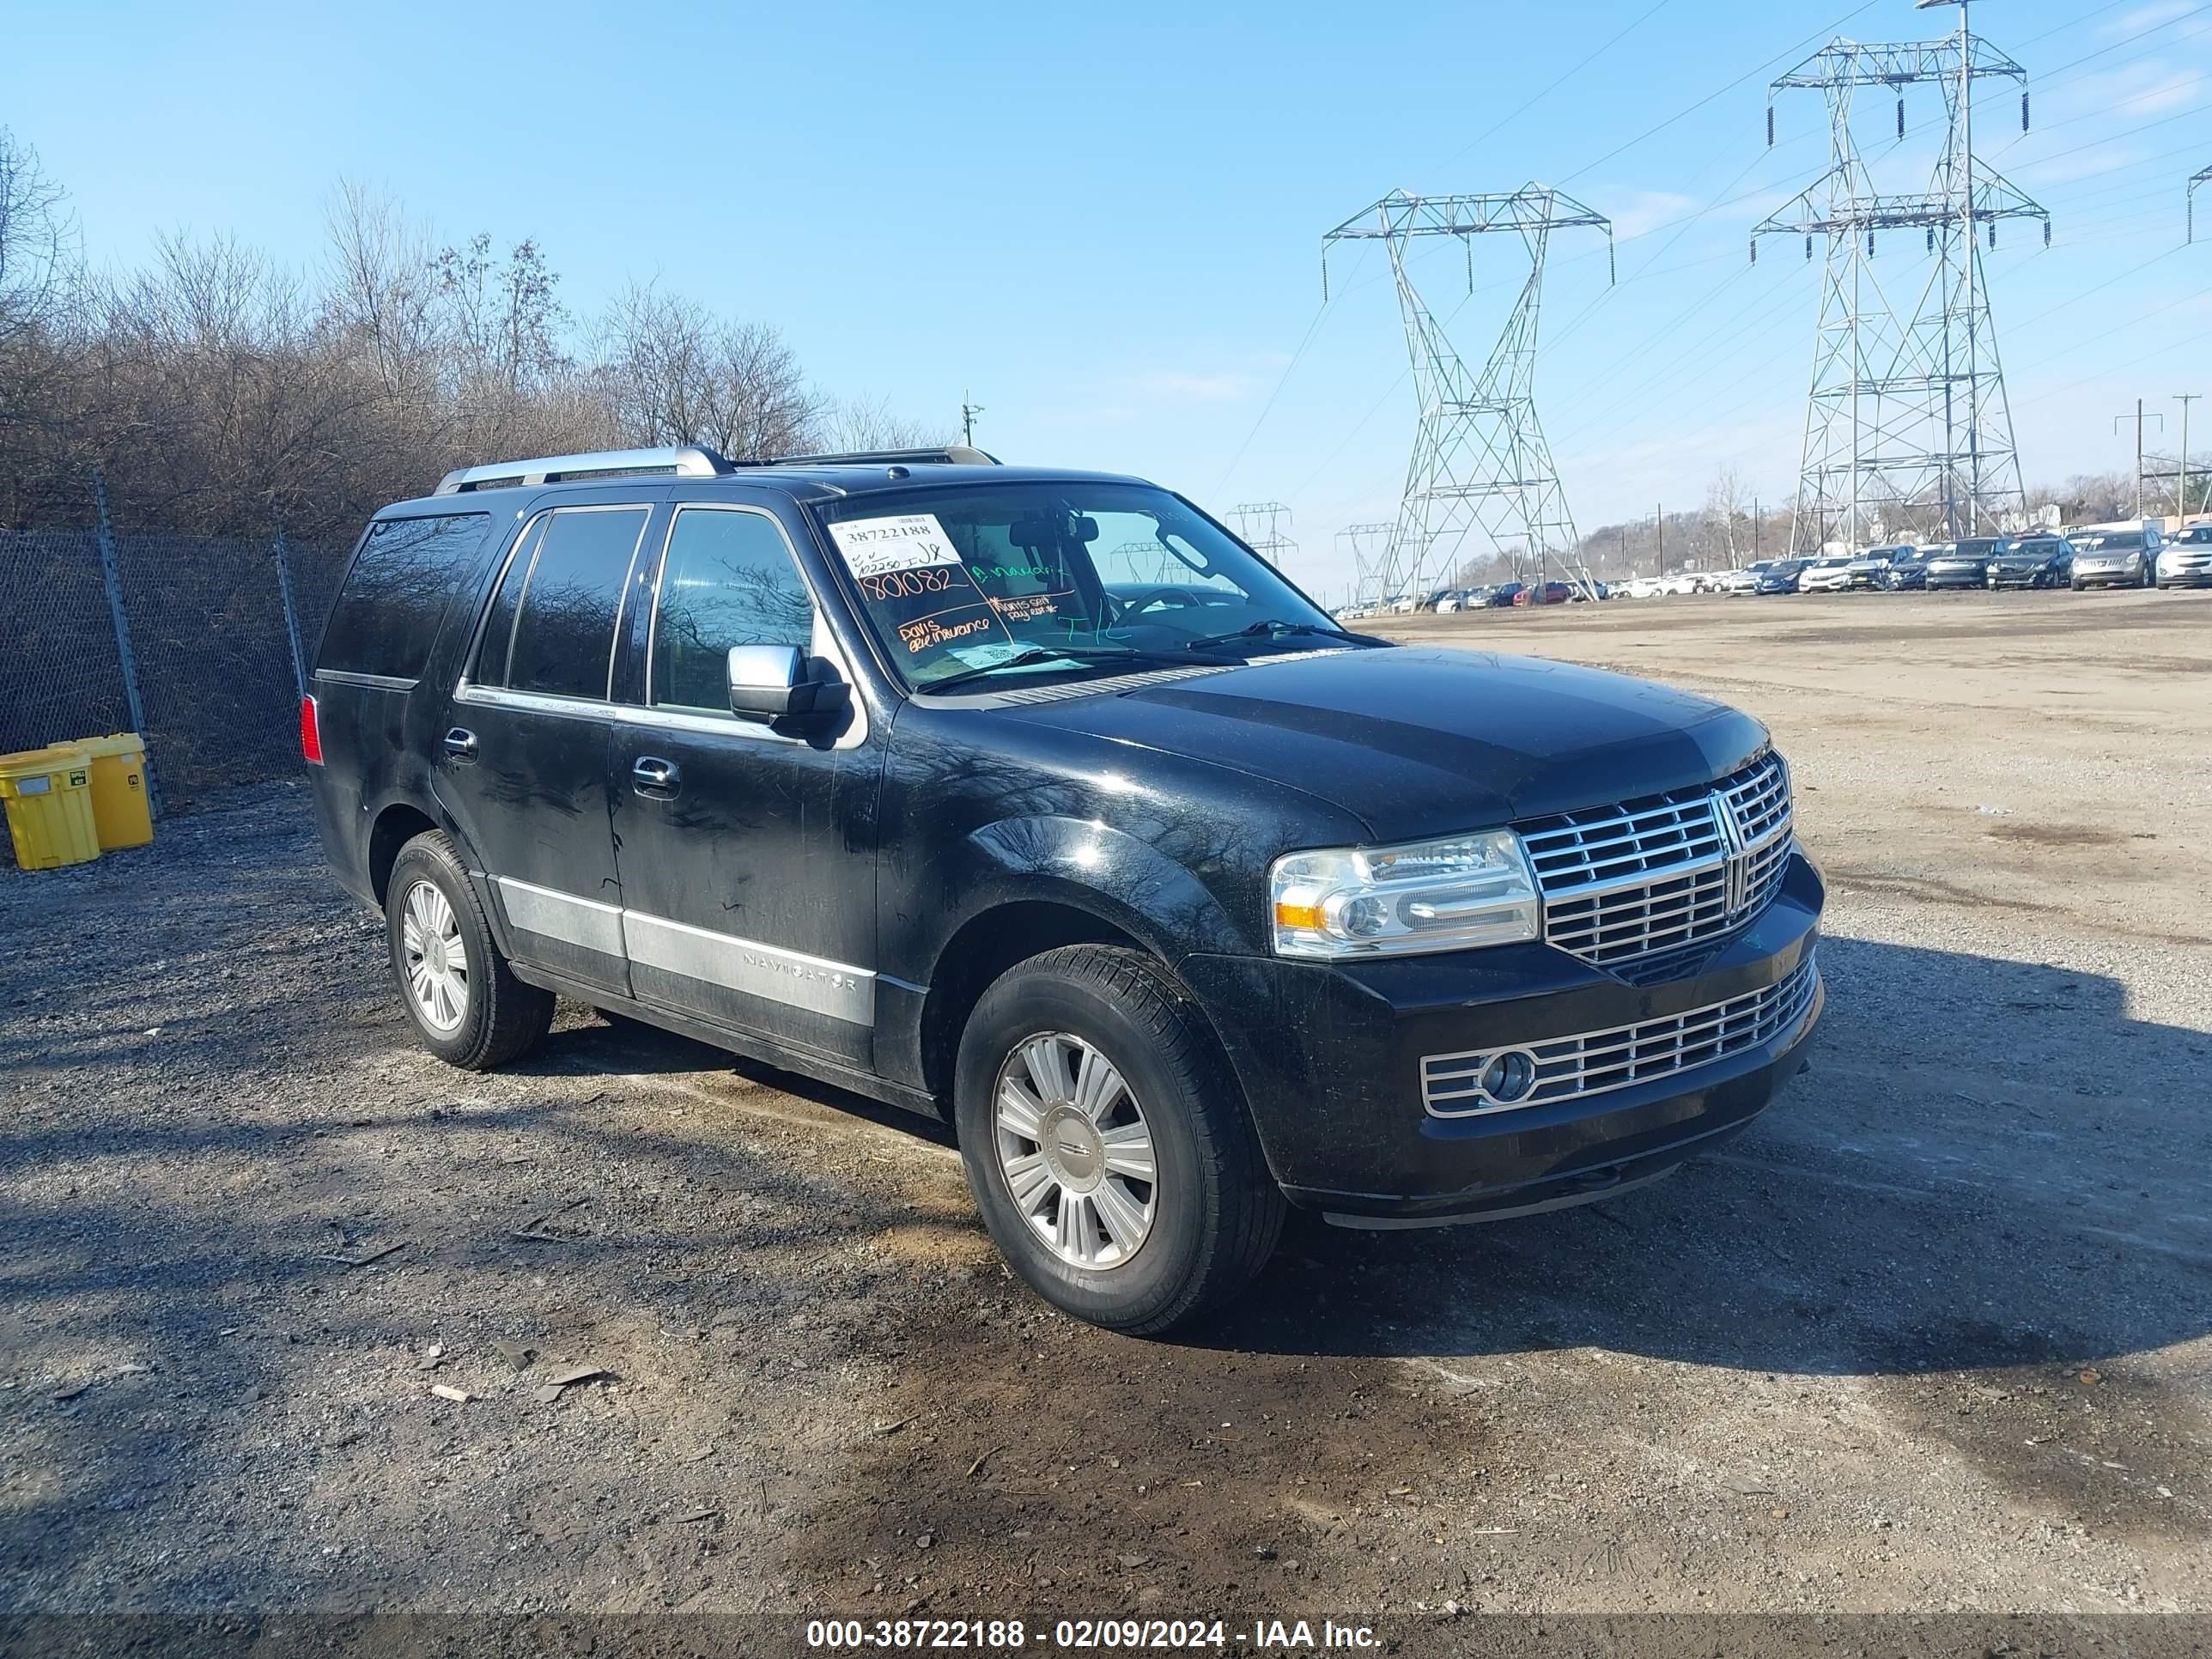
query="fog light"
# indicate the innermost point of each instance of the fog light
(1512, 1078)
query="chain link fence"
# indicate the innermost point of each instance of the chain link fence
(199, 643)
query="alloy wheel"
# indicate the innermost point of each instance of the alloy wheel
(1075, 1151)
(436, 963)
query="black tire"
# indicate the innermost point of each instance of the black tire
(1216, 1211)
(2077, 587)
(502, 1019)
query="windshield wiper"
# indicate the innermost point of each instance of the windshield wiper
(1274, 629)
(1074, 656)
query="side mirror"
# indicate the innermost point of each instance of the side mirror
(775, 685)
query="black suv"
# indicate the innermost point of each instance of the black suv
(1036, 801)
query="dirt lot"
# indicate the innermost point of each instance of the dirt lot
(1936, 1335)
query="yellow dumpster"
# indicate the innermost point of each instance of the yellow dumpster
(48, 795)
(121, 811)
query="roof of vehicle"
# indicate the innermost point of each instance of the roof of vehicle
(803, 476)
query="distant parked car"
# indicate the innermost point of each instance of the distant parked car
(1503, 595)
(2186, 560)
(1747, 579)
(2031, 562)
(2115, 555)
(1908, 569)
(1871, 568)
(1964, 563)
(1780, 576)
(1828, 575)
(1544, 593)
(1642, 587)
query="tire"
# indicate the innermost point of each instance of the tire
(1214, 1212)
(2077, 586)
(500, 1018)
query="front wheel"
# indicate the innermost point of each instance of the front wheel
(467, 1006)
(1107, 1144)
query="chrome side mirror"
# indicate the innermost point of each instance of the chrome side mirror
(775, 685)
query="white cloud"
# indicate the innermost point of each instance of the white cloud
(1181, 385)
(1647, 210)
(2084, 164)
(2150, 16)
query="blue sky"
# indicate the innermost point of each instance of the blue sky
(1104, 222)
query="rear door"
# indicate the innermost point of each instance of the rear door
(747, 858)
(523, 768)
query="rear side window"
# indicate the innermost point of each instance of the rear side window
(395, 597)
(728, 579)
(551, 627)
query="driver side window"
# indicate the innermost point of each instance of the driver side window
(728, 579)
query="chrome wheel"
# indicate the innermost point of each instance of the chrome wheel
(436, 965)
(1075, 1151)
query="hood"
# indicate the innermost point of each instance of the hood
(1414, 742)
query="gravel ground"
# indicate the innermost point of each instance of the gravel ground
(1933, 1336)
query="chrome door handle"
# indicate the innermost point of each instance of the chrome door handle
(461, 744)
(660, 779)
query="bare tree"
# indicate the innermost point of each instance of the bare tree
(1726, 501)
(674, 373)
(37, 243)
(870, 423)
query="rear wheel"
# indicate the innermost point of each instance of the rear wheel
(468, 1007)
(1106, 1142)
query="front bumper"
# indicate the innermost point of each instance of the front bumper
(2038, 577)
(2126, 575)
(1974, 578)
(1332, 1061)
(2193, 574)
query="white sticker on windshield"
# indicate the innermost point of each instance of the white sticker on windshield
(984, 656)
(911, 541)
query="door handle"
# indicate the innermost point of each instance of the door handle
(660, 779)
(461, 744)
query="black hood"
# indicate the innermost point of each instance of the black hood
(1425, 742)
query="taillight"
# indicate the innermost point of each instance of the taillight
(311, 732)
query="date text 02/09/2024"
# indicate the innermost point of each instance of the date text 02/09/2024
(1083, 1635)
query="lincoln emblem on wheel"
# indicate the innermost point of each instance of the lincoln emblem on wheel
(1035, 801)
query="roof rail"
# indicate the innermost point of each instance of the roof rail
(686, 461)
(933, 455)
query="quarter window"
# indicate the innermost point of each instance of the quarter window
(396, 593)
(728, 579)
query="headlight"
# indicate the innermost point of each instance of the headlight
(1448, 895)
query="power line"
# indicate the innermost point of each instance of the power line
(1539, 98)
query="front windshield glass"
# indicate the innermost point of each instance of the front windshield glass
(2118, 541)
(974, 577)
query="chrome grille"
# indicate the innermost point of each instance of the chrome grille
(1654, 876)
(1594, 1062)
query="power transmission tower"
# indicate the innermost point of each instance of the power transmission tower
(1263, 527)
(2195, 180)
(1365, 545)
(2139, 417)
(1908, 408)
(1479, 460)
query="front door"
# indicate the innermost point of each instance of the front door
(746, 858)
(524, 768)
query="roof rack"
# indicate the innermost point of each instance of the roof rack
(686, 461)
(931, 455)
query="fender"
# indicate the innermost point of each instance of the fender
(1089, 865)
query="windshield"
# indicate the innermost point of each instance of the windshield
(2118, 541)
(955, 580)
